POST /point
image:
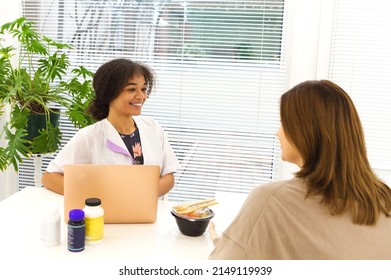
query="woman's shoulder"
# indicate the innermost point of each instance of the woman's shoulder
(92, 128)
(273, 195)
(95, 125)
(280, 188)
(146, 121)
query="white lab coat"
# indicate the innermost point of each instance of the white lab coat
(100, 143)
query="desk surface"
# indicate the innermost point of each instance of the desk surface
(20, 218)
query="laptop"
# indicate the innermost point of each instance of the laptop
(129, 193)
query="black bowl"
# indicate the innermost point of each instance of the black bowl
(192, 226)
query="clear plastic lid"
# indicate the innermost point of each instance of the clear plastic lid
(203, 213)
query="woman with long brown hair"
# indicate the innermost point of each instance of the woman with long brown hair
(335, 207)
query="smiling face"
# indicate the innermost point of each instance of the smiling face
(131, 99)
(288, 151)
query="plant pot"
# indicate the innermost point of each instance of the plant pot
(37, 122)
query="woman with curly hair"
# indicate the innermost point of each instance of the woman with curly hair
(120, 135)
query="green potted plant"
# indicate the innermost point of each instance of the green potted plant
(36, 86)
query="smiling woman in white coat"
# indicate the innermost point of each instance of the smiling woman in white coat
(120, 135)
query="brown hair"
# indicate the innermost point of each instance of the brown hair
(321, 121)
(111, 78)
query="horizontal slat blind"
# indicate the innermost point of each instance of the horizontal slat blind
(221, 68)
(361, 64)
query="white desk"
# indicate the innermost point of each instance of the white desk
(20, 219)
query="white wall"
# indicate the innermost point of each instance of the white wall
(10, 10)
(309, 32)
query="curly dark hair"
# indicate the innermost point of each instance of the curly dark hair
(111, 78)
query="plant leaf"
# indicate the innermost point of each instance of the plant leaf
(16, 148)
(47, 141)
(19, 117)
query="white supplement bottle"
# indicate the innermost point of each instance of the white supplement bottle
(94, 220)
(51, 226)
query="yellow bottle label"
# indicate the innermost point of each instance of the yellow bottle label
(94, 228)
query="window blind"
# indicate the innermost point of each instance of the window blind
(221, 68)
(361, 64)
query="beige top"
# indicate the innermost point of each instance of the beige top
(278, 222)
